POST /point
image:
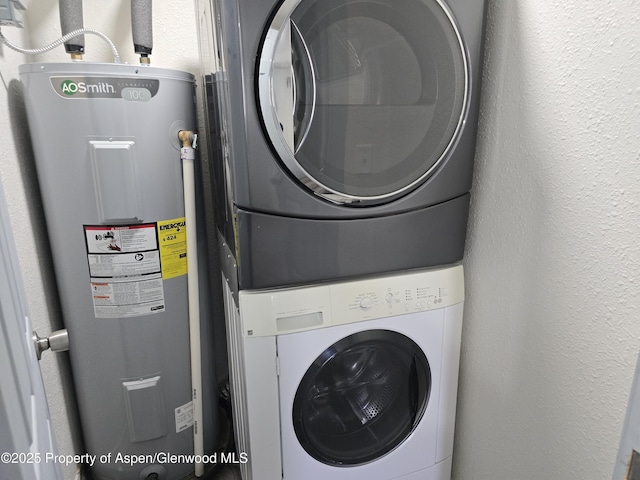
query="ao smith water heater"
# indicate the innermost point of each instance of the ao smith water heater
(108, 157)
(105, 139)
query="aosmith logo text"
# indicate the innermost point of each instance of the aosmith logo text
(69, 87)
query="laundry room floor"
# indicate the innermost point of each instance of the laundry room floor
(229, 473)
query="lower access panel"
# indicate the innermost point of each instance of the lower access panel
(144, 404)
(279, 251)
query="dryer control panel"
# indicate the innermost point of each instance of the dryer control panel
(289, 310)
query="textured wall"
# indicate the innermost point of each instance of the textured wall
(553, 262)
(175, 46)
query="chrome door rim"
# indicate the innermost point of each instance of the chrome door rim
(272, 123)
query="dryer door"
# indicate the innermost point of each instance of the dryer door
(362, 99)
(361, 398)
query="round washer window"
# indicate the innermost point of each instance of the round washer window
(361, 398)
(362, 98)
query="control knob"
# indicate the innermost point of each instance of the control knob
(366, 303)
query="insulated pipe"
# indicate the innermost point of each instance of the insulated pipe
(187, 155)
(70, 20)
(142, 29)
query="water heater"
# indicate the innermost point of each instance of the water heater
(105, 139)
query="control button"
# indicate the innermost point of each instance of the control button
(389, 297)
(366, 303)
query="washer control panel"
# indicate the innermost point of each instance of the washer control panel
(289, 310)
(396, 295)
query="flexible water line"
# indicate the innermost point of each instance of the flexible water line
(60, 41)
(187, 155)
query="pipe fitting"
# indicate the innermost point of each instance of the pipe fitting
(187, 138)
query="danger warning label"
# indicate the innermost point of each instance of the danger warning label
(125, 270)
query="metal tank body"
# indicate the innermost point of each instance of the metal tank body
(108, 161)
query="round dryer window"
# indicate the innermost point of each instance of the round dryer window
(361, 398)
(362, 99)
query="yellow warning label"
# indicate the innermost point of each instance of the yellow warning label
(172, 236)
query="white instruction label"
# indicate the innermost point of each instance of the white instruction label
(124, 264)
(184, 417)
(125, 270)
(127, 297)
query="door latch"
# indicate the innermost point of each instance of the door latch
(58, 341)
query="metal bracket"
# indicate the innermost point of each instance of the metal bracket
(11, 12)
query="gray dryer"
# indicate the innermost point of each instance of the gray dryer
(343, 133)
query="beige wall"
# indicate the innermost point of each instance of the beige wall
(553, 260)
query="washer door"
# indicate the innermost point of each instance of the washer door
(361, 398)
(362, 98)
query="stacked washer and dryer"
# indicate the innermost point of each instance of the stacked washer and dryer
(347, 136)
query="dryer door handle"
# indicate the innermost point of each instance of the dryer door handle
(307, 119)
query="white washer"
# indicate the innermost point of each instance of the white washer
(348, 380)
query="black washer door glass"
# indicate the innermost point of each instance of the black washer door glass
(362, 98)
(361, 398)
